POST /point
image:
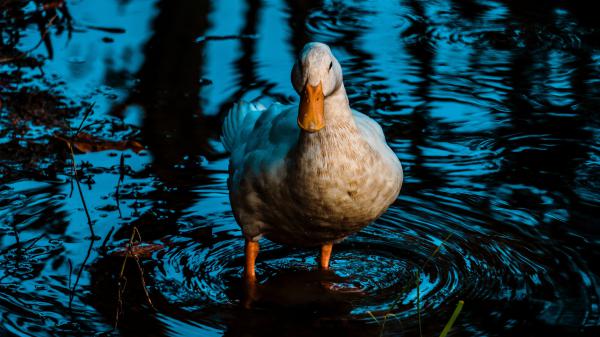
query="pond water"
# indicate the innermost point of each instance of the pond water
(493, 107)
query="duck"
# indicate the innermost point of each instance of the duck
(311, 174)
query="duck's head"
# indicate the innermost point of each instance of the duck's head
(316, 75)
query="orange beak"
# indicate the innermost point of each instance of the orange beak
(311, 116)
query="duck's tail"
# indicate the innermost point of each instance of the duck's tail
(239, 120)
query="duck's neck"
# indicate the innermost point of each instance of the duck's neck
(339, 121)
(337, 108)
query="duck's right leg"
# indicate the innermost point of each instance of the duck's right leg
(250, 252)
(325, 255)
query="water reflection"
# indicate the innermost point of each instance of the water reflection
(491, 105)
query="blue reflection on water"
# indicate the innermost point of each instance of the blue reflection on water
(490, 105)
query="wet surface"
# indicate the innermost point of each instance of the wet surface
(492, 107)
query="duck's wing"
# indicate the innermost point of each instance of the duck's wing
(260, 140)
(239, 122)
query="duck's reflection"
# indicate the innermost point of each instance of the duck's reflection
(312, 290)
(297, 302)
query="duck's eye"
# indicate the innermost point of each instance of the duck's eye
(330, 65)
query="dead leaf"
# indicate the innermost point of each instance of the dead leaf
(141, 250)
(85, 142)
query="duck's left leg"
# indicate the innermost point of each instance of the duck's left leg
(325, 255)
(250, 252)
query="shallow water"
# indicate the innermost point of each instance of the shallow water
(492, 107)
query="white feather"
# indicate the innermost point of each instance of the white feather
(239, 122)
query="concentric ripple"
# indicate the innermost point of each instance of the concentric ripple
(417, 256)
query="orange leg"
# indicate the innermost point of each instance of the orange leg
(325, 255)
(251, 252)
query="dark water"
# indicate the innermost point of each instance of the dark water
(492, 106)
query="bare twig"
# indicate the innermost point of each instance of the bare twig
(89, 110)
(121, 284)
(105, 242)
(87, 256)
(122, 280)
(385, 318)
(85, 208)
(74, 168)
(373, 317)
(141, 270)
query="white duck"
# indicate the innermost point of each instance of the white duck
(307, 175)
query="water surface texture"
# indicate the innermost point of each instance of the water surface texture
(493, 108)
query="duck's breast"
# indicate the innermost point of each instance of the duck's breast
(345, 187)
